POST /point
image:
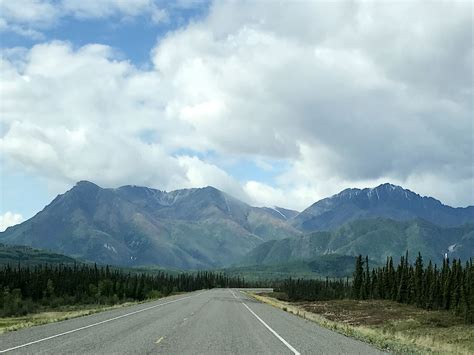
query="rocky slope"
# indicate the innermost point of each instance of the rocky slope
(187, 229)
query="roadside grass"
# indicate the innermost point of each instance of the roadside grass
(8, 324)
(386, 324)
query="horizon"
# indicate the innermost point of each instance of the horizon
(276, 104)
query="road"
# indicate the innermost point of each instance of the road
(205, 322)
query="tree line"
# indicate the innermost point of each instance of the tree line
(24, 290)
(449, 287)
(314, 289)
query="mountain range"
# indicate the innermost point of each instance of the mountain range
(207, 228)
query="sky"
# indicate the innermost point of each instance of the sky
(278, 103)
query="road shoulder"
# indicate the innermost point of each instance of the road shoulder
(384, 342)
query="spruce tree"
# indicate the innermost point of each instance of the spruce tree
(358, 277)
(429, 288)
(418, 280)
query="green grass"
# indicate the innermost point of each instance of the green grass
(386, 324)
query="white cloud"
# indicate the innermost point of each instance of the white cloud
(85, 153)
(28, 17)
(345, 94)
(265, 195)
(9, 219)
(159, 15)
(19, 15)
(20, 30)
(105, 8)
(39, 12)
(199, 173)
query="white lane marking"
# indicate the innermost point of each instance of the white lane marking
(95, 324)
(288, 345)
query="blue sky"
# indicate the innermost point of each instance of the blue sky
(276, 103)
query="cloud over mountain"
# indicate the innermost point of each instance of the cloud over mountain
(9, 219)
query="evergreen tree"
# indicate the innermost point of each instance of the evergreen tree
(403, 281)
(429, 288)
(358, 278)
(418, 280)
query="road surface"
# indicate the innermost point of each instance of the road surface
(219, 321)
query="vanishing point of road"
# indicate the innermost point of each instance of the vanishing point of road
(219, 321)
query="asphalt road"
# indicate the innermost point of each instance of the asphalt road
(220, 321)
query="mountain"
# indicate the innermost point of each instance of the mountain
(22, 255)
(386, 200)
(377, 238)
(206, 228)
(131, 226)
(281, 213)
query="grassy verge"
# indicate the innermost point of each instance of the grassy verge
(388, 325)
(8, 324)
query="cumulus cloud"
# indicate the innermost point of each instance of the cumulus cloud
(65, 124)
(9, 219)
(345, 94)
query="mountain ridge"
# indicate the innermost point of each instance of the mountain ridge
(385, 200)
(131, 226)
(199, 228)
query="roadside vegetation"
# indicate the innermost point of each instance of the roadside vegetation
(449, 288)
(389, 325)
(403, 308)
(13, 323)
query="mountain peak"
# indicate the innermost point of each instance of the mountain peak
(389, 186)
(210, 189)
(385, 200)
(86, 184)
(381, 191)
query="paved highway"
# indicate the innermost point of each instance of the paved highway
(206, 322)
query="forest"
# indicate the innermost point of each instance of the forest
(28, 289)
(449, 287)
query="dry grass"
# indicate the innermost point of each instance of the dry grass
(388, 325)
(8, 324)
